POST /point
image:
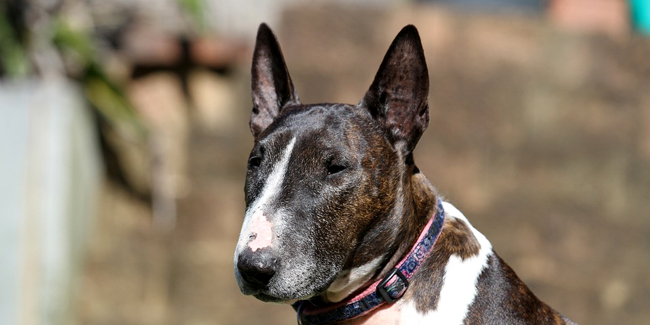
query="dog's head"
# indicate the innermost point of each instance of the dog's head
(325, 182)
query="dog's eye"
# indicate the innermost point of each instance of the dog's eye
(335, 169)
(254, 162)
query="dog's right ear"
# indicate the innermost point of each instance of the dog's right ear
(271, 84)
(397, 98)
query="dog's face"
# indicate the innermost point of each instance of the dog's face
(324, 181)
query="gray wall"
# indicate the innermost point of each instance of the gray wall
(50, 172)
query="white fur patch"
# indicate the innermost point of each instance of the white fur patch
(459, 283)
(263, 230)
(270, 190)
(350, 280)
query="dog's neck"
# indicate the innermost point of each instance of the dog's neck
(418, 196)
(412, 209)
(417, 207)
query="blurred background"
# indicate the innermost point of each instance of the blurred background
(124, 139)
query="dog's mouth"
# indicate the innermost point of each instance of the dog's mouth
(267, 298)
(272, 299)
(267, 294)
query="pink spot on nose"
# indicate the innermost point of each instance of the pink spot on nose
(261, 228)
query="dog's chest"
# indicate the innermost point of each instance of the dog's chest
(400, 313)
(446, 287)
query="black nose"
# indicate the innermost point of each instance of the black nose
(257, 269)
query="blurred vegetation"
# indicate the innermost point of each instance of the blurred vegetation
(13, 59)
(74, 46)
(38, 42)
(195, 9)
(105, 95)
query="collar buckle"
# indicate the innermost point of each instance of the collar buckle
(385, 291)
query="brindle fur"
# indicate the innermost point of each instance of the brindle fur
(380, 201)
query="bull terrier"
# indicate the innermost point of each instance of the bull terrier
(341, 223)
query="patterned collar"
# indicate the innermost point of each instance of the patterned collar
(390, 289)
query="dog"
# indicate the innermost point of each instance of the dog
(341, 223)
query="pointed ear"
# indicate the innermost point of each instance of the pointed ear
(397, 98)
(271, 84)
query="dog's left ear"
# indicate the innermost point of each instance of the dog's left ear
(271, 85)
(397, 98)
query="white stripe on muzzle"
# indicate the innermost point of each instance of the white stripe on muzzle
(257, 230)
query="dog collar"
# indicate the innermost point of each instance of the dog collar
(388, 290)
